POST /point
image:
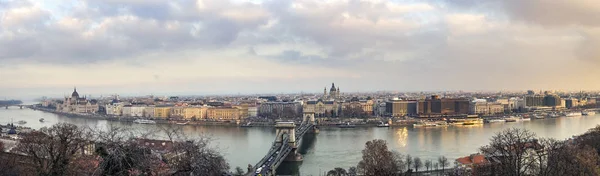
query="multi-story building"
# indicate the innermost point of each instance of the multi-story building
(253, 111)
(177, 112)
(195, 113)
(278, 107)
(445, 106)
(322, 108)
(224, 113)
(534, 100)
(571, 102)
(162, 112)
(486, 108)
(399, 108)
(552, 100)
(149, 111)
(133, 111)
(76, 104)
(114, 108)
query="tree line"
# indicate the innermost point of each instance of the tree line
(511, 152)
(66, 149)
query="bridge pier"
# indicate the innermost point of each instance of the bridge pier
(21, 106)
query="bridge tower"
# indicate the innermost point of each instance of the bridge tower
(288, 129)
(309, 117)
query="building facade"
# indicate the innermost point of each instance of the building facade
(162, 112)
(76, 104)
(322, 108)
(486, 108)
(443, 106)
(224, 113)
(399, 108)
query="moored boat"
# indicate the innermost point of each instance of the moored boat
(538, 116)
(510, 119)
(525, 119)
(182, 123)
(144, 121)
(425, 124)
(347, 125)
(249, 124)
(41, 119)
(496, 120)
(383, 125)
(573, 114)
(588, 113)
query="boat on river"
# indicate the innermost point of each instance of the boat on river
(182, 123)
(144, 121)
(538, 116)
(588, 113)
(21, 122)
(249, 124)
(41, 119)
(383, 125)
(525, 119)
(425, 124)
(573, 114)
(347, 125)
(511, 119)
(496, 120)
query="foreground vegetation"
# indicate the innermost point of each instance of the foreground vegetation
(66, 149)
(512, 152)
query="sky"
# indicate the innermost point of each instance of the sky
(197, 47)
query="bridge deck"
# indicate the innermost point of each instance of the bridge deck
(278, 152)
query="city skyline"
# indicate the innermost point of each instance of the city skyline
(258, 47)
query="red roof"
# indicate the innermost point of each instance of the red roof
(473, 159)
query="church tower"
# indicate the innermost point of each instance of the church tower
(324, 92)
(333, 92)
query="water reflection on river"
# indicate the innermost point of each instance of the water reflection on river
(335, 147)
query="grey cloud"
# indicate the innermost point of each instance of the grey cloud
(122, 29)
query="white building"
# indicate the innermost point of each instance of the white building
(483, 107)
(115, 109)
(149, 111)
(133, 111)
(253, 111)
(76, 104)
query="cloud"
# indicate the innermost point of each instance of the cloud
(404, 45)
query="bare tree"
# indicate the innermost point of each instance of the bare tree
(53, 149)
(512, 148)
(443, 162)
(428, 165)
(409, 161)
(239, 171)
(377, 160)
(436, 166)
(338, 171)
(573, 160)
(352, 171)
(418, 164)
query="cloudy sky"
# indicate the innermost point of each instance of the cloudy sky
(139, 47)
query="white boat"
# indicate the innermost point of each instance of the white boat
(525, 119)
(588, 113)
(21, 122)
(573, 114)
(425, 124)
(182, 123)
(144, 121)
(496, 120)
(538, 116)
(510, 119)
(383, 125)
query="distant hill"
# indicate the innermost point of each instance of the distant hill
(10, 102)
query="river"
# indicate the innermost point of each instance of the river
(334, 147)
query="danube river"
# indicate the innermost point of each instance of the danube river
(334, 147)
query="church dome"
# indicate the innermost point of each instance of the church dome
(332, 87)
(75, 94)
